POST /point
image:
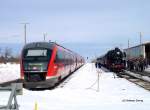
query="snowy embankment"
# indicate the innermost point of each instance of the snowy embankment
(80, 93)
(9, 72)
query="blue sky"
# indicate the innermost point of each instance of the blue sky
(108, 23)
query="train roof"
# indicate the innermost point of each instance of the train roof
(48, 45)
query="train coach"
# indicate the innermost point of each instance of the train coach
(44, 64)
(138, 57)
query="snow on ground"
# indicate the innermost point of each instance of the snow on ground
(9, 72)
(148, 69)
(79, 94)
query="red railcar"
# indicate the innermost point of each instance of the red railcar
(43, 64)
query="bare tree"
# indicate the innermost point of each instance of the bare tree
(7, 54)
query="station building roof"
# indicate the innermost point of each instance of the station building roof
(143, 44)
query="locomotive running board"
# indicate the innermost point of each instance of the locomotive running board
(15, 89)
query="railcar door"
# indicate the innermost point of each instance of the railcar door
(59, 61)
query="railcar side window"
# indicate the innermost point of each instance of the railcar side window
(59, 56)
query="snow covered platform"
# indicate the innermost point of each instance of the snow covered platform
(79, 92)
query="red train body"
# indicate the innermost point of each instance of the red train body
(44, 64)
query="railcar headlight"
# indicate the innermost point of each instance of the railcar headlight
(55, 66)
(22, 77)
(118, 53)
(47, 77)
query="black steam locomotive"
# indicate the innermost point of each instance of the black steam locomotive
(113, 60)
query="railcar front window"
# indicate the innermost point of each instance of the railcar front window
(38, 54)
(36, 59)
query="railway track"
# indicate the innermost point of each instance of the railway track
(137, 79)
(8, 83)
(60, 84)
(141, 79)
(144, 73)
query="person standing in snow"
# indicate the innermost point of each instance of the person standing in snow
(96, 64)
